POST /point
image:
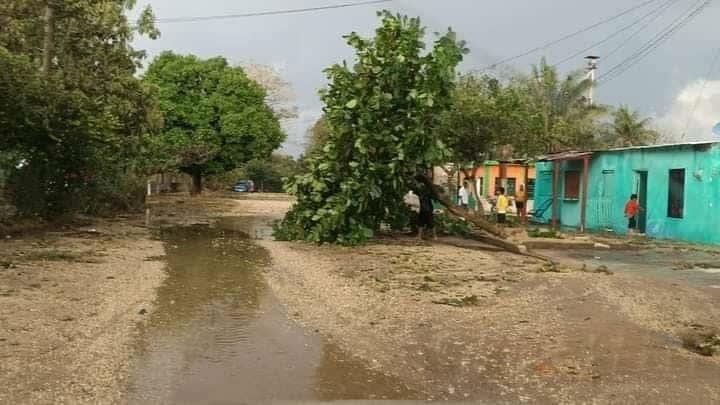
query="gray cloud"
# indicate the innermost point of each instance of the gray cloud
(302, 45)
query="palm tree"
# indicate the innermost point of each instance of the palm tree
(563, 117)
(629, 129)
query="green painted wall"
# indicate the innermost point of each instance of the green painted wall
(614, 177)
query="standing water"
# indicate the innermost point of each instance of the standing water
(218, 334)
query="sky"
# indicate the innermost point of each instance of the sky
(674, 84)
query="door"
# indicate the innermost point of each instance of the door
(606, 213)
(641, 191)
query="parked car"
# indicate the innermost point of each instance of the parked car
(244, 186)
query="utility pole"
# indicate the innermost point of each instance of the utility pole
(49, 38)
(592, 66)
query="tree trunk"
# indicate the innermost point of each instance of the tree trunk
(478, 222)
(494, 236)
(196, 183)
(48, 39)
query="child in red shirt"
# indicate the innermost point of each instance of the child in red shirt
(631, 210)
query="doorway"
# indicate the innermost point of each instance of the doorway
(641, 191)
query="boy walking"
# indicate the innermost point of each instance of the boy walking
(631, 210)
(501, 206)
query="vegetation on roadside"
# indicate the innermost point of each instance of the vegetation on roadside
(216, 118)
(380, 112)
(72, 131)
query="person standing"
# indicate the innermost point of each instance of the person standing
(501, 205)
(631, 210)
(521, 198)
(463, 196)
(426, 220)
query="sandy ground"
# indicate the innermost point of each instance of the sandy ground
(69, 305)
(511, 332)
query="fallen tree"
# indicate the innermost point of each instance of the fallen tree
(381, 113)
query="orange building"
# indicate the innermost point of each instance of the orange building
(494, 174)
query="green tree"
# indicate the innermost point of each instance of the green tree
(381, 112)
(628, 128)
(484, 115)
(555, 112)
(77, 110)
(317, 137)
(215, 117)
(269, 174)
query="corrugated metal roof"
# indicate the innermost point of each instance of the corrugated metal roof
(572, 155)
(665, 145)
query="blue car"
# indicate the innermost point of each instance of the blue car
(244, 186)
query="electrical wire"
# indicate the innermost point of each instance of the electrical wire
(657, 12)
(266, 13)
(633, 35)
(713, 66)
(568, 36)
(653, 44)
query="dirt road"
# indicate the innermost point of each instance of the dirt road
(418, 320)
(69, 304)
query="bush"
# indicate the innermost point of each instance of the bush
(47, 191)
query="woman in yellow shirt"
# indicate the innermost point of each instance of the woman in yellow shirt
(501, 206)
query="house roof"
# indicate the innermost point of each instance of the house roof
(572, 155)
(661, 146)
(577, 155)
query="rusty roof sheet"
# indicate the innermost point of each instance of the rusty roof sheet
(572, 155)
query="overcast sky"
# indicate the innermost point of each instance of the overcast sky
(666, 85)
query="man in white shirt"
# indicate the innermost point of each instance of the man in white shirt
(463, 196)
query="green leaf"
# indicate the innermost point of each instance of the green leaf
(352, 103)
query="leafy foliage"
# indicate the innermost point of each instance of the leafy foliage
(79, 124)
(557, 115)
(216, 118)
(380, 113)
(629, 129)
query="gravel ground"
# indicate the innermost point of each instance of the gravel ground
(458, 323)
(69, 305)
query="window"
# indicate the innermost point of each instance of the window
(572, 185)
(676, 193)
(530, 190)
(509, 184)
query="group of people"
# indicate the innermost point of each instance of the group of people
(501, 204)
(426, 216)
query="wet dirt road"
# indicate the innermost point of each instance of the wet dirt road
(697, 268)
(218, 335)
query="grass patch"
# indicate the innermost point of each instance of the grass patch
(706, 343)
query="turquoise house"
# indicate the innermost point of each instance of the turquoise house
(678, 188)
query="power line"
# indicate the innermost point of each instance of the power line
(653, 44)
(266, 13)
(568, 36)
(713, 65)
(634, 34)
(657, 11)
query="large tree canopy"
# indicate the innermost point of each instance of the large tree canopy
(216, 118)
(380, 112)
(72, 110)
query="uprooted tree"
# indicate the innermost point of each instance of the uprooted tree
(381, 114)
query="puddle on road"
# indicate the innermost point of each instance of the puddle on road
(218, 334)
(661, 264)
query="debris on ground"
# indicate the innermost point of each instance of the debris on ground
(703, 341)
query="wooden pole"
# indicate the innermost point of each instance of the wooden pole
(555, 190)
(584, 196)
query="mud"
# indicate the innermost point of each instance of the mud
(219, 335)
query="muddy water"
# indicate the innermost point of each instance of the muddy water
(218, 335)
